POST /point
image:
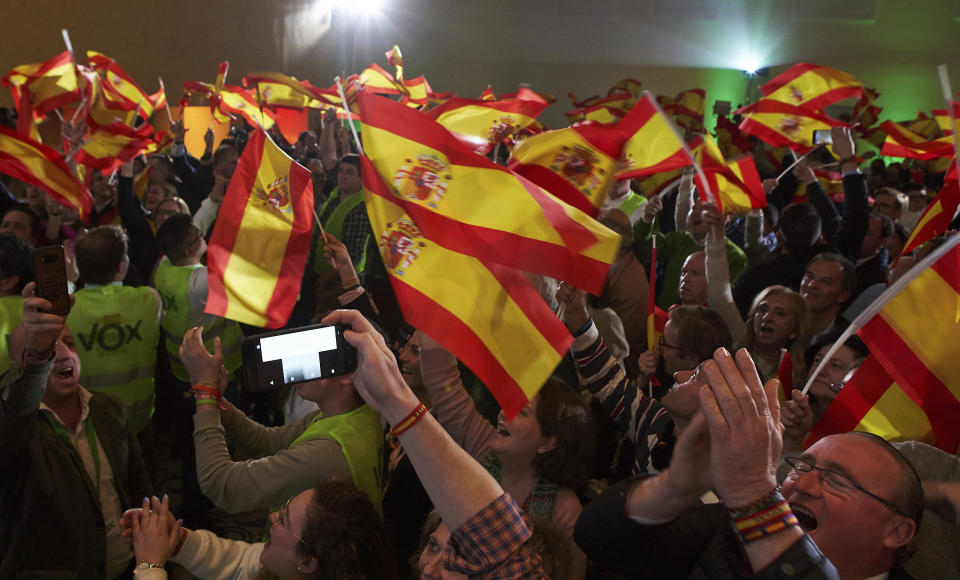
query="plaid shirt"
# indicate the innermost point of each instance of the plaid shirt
(493, 545)
(357, 232)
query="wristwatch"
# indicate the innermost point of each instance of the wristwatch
(141, 566)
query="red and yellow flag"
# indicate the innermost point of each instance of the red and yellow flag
(37, 164)
(471, 205)
(576, 164)
(279, 90)
(687, 109)
(46, 85)
(486, 314)
(597, 113)
(244, 103)
(902, 142)
(943, 119)
(110, 146)
(936, 218)
(910, 341)
(811, 87)
(784, 125)
(625, 85)
(736, 186)
(261, 240)
(652, 146)
(865, 114)
(483, 124)
(656, 316)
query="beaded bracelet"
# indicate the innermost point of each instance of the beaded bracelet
(766, 517)
(407, 422)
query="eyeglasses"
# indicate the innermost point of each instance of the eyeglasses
(835, 482)
(664, 344)
(281, 516)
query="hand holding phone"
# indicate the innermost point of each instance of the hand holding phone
(296, 355)
(50, 272)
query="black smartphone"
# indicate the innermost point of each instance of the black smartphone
(50, 272)
(296, 355)
(822, 136)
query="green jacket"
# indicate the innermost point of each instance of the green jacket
(52, 526)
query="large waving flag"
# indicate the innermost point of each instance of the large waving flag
(784, 125)
(909, 331)
(243, 102)
(37, 164)
(486, 314)
(811, 86)
(261, 240)
(470, 205)
(653, 145)
(483, 124)
(736, 186)
(279, 90)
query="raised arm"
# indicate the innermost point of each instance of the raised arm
(719, 293)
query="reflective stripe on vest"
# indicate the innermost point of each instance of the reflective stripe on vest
(360, 436)
(334, 226)
(173, 284)
(633, 201)
(115, 332)
(11, 310)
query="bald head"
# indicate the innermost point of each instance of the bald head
(693, 280)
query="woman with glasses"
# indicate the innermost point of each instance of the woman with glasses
(330, 531)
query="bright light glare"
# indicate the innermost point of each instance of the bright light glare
(749, 64)
(364, 8)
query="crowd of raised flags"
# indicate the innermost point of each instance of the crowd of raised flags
(442, 210)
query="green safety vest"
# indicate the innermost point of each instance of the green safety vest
(11, 310)
(115, 331)
(360, 436)
(334, 226)
(173, 285)
(633, 201)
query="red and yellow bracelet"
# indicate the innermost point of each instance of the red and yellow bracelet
(207, 394)
(767, 517)
(407, 422)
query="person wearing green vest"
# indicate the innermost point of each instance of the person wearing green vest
(622, 197)
(343, 440)
(16, 269)
(117, 327)
(181, 281)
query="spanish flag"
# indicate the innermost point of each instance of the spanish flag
(378, 81)
(687, 108)
(110, 146)
(653, 146)
(576, 164)
(865, 114)
(120, 91)
(736, 186)
(911, 340)
(46, 85)
(656, 316)
(597, 113)
(903, 142)
(486, 314)
(279, 90)
(943, 118)
(625, 85)
(470, 205)
(936, 218)
(811, 87)
(243, 102)
(39, 165)
(483, 124)
(222, 69)
(259, 246)
(784, 125)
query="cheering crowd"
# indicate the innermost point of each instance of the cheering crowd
(667, 454)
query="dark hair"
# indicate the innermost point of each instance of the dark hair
(799, 227)
(907, 492)
(853, 342)
(352, 159)
(223, 150)
(898, 197)
(23, 208)
(902, 233)
(561, 413)
(912, 186)
(344, 532)
(173, 235)
(700, 331)
(100, 252)
(849, 280)
(16, 259)
(886, 224)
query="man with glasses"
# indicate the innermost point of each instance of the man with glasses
(848, 509)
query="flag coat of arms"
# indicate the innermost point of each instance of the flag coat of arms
(259, 247)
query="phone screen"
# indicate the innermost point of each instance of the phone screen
(822, 136)
(295, 356)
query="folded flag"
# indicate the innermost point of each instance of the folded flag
(259, 247)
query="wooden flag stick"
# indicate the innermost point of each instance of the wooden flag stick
(353, 130)
(333, 261)
(166, 101)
